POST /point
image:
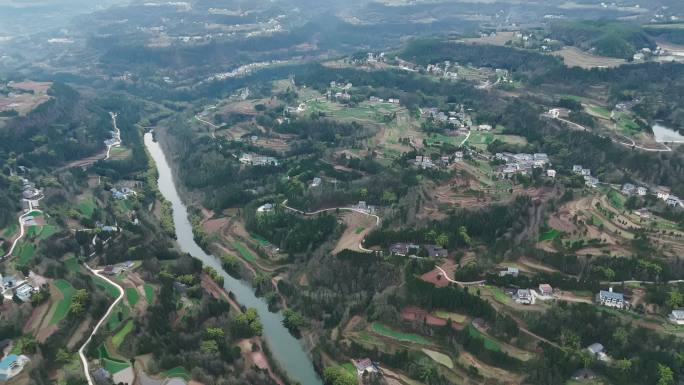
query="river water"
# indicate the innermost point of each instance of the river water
(664, 134)
(286, 349)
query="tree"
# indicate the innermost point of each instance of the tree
(665, 375)
(209, 346)
(675, 299)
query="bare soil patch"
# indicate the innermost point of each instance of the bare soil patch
(575, 57)
(358, 226)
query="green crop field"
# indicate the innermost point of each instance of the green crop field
(64, 304)
(178, 371)
(149, 293)
(600, 111)
(596, 221)
(25, 252)
(460, 318)
(488, 342)
(359, 230)
(87, 207)
(386, 331)
(112, 365)
(499, 295)
(244, 252)
(349, 367)
(260, 240)
(118, 338)
(616, 199)
(132, 296)
(549, 235)
(119, 314)
(73, 265)
(47, 232)
(111, 290)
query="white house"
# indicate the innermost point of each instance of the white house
(316, 182)
(546, 290)
(524, 296)
(551, 173)
(641, 191)
(266, 208)
(598, 351)
(577, 169)
(512, 271)
(365, 365)
(677, 317)
(610, 299)
(628, 189)
(12, 365)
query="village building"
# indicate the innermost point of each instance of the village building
(643, 213)
(597, 351)
(610, 298)
(628, 189)
(677, 317)
(583, 375)
(577, 169)
(266, 208)
(512, 271)
(591, 181)
(12, 365)
(364, 366)
(641, 191)
(545, 289)
(524, 296)
(551, 173)
(673, 201)
(316, 182)
(403, 249)
(436, 251)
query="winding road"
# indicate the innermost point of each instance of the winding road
(377, 218)
(446, 276)
(626, 144)
(117, 136)
(84, 360)
(22, 228)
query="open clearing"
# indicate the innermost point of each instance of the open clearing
(575, 57)
(440, 358)
(28, 96)
(149, 293)
(352, 237)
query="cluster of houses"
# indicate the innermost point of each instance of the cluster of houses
(589, 181)
(411, 249)
(522, 163)
(375, 99)
(117, 269)
(21, 288)
(456, 119)
(425, 162)
(529, 296)
(258, 160)
(630, 189)
(443, 70)
(29, 190)
(123, 193)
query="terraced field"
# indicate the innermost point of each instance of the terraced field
(64, 304)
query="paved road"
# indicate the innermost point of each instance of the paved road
(118, 136)
(446, 276)
(22, 229)
(84, 360)
(630, 144)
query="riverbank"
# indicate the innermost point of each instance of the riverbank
(287, 351)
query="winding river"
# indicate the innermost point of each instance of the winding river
(286, 349)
